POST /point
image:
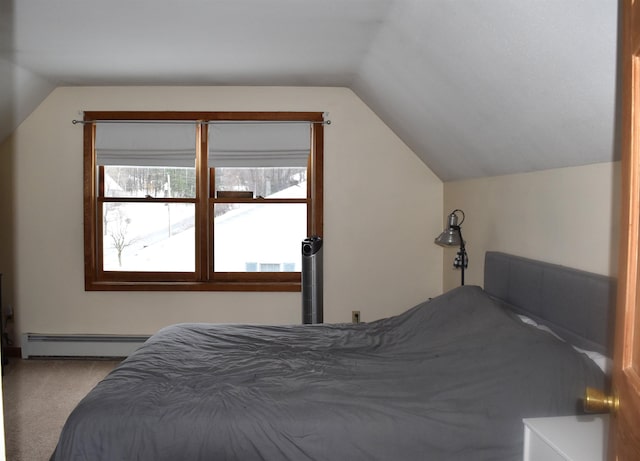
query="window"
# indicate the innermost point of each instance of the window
(200, 201)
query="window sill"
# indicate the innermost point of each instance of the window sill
(194, 286)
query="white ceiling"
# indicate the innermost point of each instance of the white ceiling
(474, 87)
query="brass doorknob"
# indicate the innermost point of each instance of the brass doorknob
(595, 401)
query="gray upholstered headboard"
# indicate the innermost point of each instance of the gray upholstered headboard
(579, 306)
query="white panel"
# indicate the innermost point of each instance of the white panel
(536, 449)
(566, 438)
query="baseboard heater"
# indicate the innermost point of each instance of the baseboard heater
(43, 345)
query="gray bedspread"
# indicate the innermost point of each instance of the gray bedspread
(450, 379)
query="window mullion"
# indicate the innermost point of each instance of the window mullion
(99, 213)
(210, 209)
(203, 232)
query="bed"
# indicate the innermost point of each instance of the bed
(449, 379)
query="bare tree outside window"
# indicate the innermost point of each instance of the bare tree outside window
(118, 232)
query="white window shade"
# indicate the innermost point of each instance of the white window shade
(146, 144)
(238, 145)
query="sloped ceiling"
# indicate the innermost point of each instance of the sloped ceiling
(474, 87)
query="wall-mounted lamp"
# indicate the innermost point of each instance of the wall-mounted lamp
(452, 236)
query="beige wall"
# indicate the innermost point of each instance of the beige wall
(566, 216)
(382, 207)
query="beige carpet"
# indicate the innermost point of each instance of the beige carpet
(38, 396)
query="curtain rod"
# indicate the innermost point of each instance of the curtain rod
(210, 122)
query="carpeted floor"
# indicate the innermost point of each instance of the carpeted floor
(38, 396)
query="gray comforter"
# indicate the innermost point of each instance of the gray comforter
(450, 379)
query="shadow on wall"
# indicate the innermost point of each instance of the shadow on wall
(8, 88)
(8, 117)
(616, 206)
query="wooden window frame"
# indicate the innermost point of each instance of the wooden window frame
(204, 278)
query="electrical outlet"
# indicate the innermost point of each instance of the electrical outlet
(355, 316)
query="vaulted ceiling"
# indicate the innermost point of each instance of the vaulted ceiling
(474, 87)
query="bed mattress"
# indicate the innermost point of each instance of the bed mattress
(450, 379)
